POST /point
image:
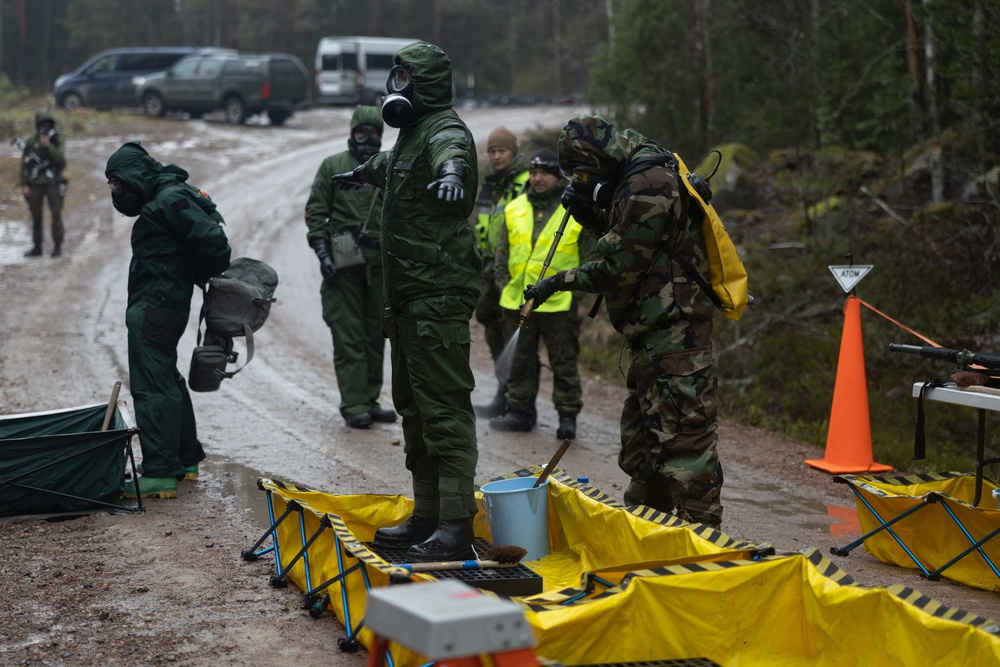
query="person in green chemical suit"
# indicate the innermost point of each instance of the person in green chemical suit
(531, 223)
(177, 242)
(352, 296)
(507, 179)
(42, 163)
(626, 190)
(431, 268)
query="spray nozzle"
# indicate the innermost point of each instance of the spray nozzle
(526, 309)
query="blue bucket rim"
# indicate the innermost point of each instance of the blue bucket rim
(529, 487)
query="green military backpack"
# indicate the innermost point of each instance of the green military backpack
(236, 303)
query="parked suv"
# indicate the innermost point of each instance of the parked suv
(107, 79)
(240, 84)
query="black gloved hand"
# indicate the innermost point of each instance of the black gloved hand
(450, 184)
(545, 288)
(325, 253)
(369, 241)
(350, 180)
(581, 207)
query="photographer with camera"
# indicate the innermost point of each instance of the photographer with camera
(42, 165)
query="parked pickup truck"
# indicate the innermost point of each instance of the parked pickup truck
(241, 84)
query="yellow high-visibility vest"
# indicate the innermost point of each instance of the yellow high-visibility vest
(489, 219)
(524, 262)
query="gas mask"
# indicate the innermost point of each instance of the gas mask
(366, 141)
(124, 198)
(397, 108)
(597, 191)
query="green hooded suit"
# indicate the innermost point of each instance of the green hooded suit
(177, 242)
(431, 268)
(352, 304)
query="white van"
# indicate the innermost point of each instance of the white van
(353, 70)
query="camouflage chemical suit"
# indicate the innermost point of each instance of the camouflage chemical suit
(352, 297)
(177, 242)
(668, 424)
(42, 163)
(431, 268)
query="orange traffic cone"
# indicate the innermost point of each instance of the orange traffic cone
(849, 438)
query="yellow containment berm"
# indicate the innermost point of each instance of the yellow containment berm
(632, 584)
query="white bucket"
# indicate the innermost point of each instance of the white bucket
(519, 514)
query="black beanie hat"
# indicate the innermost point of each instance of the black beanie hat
(546, 160)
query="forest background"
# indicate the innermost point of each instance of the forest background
(851, 131)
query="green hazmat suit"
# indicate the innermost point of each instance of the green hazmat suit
(177, 242)
(431, 268)
(353, 302)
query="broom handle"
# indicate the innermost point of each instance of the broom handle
(552, 463)
(454, 565)
(111, 406)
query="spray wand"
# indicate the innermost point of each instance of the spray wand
(530, 304)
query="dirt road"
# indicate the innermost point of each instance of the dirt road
(168, 586)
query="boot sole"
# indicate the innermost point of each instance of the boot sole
(163, 495)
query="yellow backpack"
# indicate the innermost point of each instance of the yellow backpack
(729, 277)
(728, 290)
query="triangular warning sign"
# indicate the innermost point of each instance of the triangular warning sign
(849, 276)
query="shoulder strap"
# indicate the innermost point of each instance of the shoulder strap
(364, 227)
(667, 159)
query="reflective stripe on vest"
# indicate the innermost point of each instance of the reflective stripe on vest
(489, 220)
(525, 262)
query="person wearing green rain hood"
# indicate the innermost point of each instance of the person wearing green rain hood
(431, 268)
(352, 296)
(177, 243)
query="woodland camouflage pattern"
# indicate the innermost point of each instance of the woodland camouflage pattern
(668, 426)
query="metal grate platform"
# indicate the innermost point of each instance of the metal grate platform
(510, 581)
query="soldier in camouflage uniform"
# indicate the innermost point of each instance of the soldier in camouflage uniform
(531, 225)
(42, 165)
(507, 180)
(431, 268)
(637, 206)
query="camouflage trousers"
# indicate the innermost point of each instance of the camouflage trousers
(561, 333)
(669, 433)
(54, 194)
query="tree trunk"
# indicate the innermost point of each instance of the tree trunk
(937, 166)
(707, 115)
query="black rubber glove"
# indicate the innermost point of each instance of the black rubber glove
(581, 207)
(349, 180)
(450, 184)
(545, 288)
(325, 253)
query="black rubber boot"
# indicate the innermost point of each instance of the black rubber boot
(494, 408)
(359, 420)
(567, 427)
(414, 530)
(57, 249)
(36, 251)
(383, 415)
(512, 421)
(451, 541)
